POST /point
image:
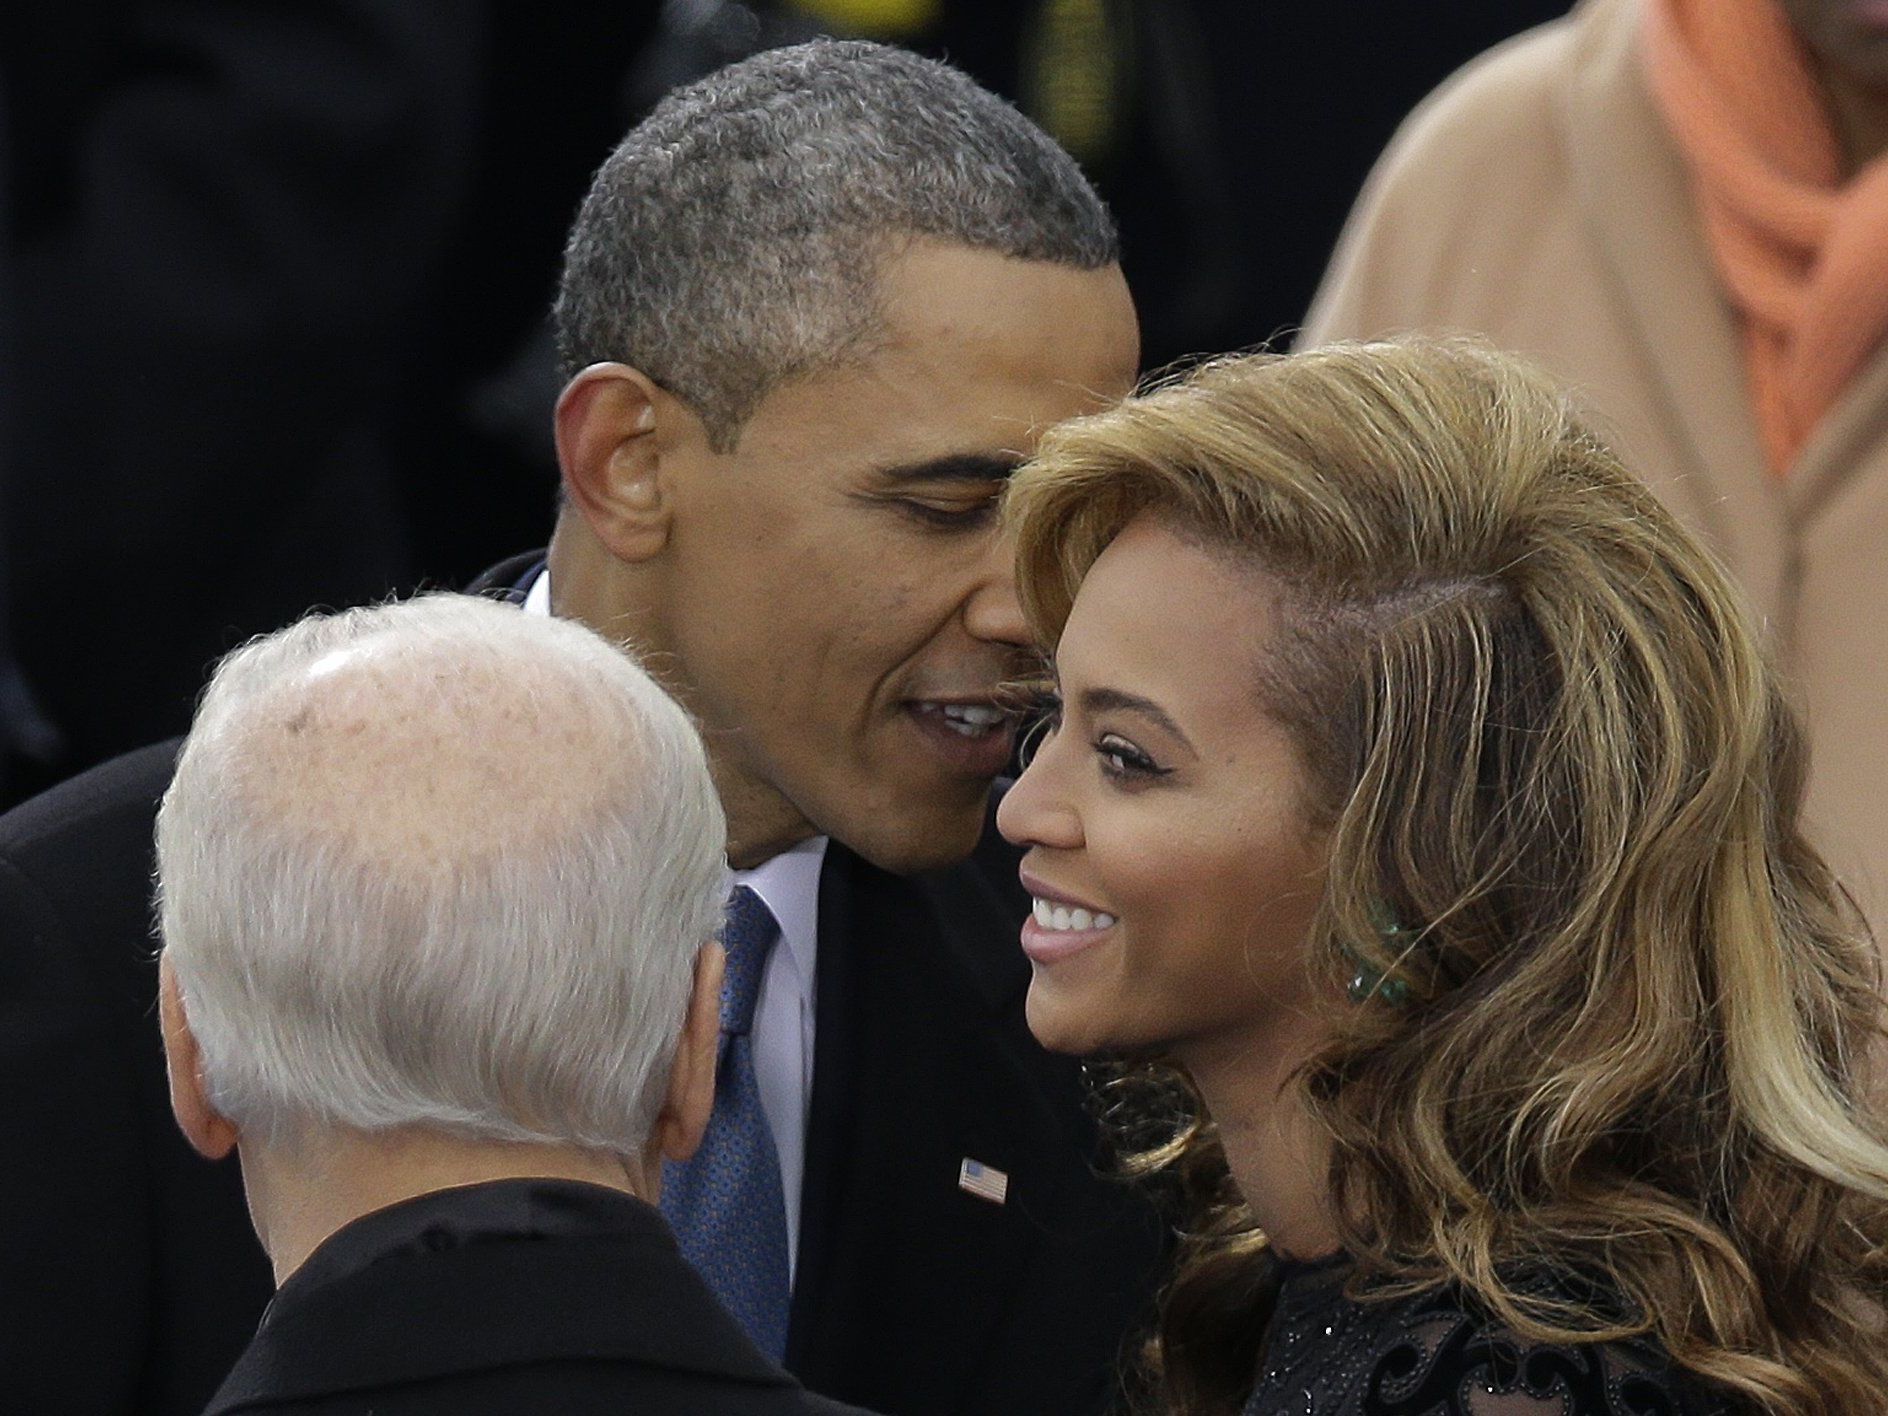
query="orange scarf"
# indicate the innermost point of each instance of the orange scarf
(1803, 253)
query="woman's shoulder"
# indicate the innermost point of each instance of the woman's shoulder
(1440, 1354)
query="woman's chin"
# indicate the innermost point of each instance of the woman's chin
(1061, 1026)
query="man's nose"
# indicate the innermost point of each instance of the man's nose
(994, 613)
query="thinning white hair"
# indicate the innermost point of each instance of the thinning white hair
(439, 864)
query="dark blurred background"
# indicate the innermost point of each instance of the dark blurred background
(274, 276)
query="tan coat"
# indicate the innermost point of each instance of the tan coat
(1537, 199)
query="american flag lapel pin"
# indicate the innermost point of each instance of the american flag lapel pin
(986, 1182)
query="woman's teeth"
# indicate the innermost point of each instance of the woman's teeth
(1062, 917)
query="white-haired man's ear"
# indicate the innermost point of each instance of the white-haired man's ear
(691, 1093)
(209, 1132)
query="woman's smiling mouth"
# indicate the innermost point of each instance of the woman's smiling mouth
(1059, 925)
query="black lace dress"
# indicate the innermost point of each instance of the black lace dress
(1435, 1356)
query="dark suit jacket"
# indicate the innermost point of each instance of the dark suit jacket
(129, 1278)
(501, 1299)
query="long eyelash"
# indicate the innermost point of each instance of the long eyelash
(1136, 766)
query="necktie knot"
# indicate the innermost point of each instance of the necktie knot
(749, 937)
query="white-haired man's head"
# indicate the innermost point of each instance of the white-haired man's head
(437, 865)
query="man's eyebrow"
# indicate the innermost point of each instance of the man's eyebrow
(1103, 700)
(955, 467)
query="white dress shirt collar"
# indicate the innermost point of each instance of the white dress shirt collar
(789, 886)
(537, 600)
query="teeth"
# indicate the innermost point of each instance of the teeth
(968, 719)
(1061, 917)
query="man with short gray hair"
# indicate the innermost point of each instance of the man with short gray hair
(814, 310)
(439, 885)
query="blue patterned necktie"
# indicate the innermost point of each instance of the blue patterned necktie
(725, 1203)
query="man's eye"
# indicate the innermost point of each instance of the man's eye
(949, 515)
(1122, 761)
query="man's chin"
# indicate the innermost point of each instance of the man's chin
(917, 844)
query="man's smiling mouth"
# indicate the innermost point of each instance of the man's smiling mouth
(972, 736)
(966, 719)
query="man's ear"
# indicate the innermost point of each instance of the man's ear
(691, 1094)
(210, 1133)
(615, 431)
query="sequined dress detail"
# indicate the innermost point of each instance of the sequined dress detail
(1435, 1355)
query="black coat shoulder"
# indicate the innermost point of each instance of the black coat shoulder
(129, 1275)
(617, 1321)
(505, 580)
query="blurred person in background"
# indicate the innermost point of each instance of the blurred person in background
(1420, 816)
(1214, 129)
(30, 746)
(265, 262)
(439, 885)
(1681, 206)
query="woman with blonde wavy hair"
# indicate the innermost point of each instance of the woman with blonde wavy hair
(1421, 816)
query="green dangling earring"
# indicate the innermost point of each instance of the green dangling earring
(1372, 982)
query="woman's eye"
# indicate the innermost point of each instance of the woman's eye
(1123, 761)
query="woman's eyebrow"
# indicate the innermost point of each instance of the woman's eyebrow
(1103, 700)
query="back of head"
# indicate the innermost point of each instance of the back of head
(733, 240)
(438, 864)
(1560, 788)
